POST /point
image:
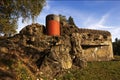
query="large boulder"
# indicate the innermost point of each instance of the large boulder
(57, 58)
(3, 50)
(34, 29)
(77, 51)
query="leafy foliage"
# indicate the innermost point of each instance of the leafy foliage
(71, 21)
(11, 10)
(23, 72)
(116, 46)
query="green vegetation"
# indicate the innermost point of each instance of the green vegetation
(116, 46)
(71, 21)
(109, 70)
(23, 72)
(12, 10)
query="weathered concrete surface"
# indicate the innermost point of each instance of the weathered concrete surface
(92, 45)
(97, 47)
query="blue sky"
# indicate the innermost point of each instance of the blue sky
(91, 14)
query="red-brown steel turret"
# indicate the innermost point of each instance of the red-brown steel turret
(53, 25)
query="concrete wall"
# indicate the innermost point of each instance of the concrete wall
(98, 53)
(96, 47)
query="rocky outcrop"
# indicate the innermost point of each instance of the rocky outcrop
(58, 59)
(46, 56)
(77, 50)
(39, 56)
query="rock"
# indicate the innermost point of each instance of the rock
(34, 29)
(77, 51)
(62, 56)
(76, 43)
(49, 56)
(82, 63)
(3, 50)
(57, 58)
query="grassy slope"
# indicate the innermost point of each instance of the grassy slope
(96, 71)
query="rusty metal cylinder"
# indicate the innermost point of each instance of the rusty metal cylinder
(53, 25)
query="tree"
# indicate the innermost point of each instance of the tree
(11, 10)
(71, 21)
(116, 46)
(116, 40)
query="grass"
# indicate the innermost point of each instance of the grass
(23, 72)
(109, 70)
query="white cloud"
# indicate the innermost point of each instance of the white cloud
(94, 24)
(115, 31)
(103, 19)
(101, 25)
(90, 21)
